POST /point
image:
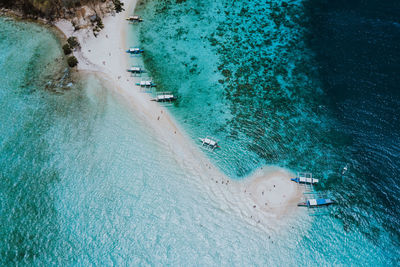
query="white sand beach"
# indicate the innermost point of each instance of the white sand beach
(265, 199)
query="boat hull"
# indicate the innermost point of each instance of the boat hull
(164, 100)
(151, 85)
(318, 203)
(299, 181)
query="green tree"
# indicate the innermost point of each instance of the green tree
(73, 42)
(72, 61)
(118, 6)
(67, 49)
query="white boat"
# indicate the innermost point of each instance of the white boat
(209, 142)
(135, 70)
(134, 50)
(134, 18)
(305, 178)
(312, 203)
(146, 83)
(164, 97)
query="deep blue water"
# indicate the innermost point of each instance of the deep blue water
(308, 85)
(357, 47)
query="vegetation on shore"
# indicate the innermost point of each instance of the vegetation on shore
(81, 13)
(52, 9)
(72, 61)
(67, 49)
(72, 43)
(118, 6)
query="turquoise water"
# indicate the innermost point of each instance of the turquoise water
(245, 73)
(84, 181)
(240, 79)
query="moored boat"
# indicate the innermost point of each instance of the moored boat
(316, 202)
(209, 142)
(164, 97)
(135, 70)
(134, 50)
(146, 84)
(134, 18)
(305, 180)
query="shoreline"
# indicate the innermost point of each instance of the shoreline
(105, 57)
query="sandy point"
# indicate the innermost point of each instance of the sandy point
(266, 197)
(272, 191)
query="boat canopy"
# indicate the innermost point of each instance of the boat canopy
(134, 17)
(209, 141)
(308, 180)
(165, 97)
(319, 202)
(305, 178)
(146, 83)
(312, 202)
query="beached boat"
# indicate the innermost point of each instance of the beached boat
(134, 18)
(211, 143)
(134, 51)
(164, 97)
(146, 83)
(135, 70)
(316, 202)
(305, 178)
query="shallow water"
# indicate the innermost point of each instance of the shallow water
(292, 84)
(83, 180)
(240, 79)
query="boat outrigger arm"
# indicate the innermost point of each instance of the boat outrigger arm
(312, 203)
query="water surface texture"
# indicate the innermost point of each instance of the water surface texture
(308, 85)
(83, 180)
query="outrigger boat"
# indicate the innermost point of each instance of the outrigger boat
(209, 142)
(146, 83)
(305, 178)
(134, 51)
(316, 202)
(164, 97)
(134, 18)
(136, 70)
